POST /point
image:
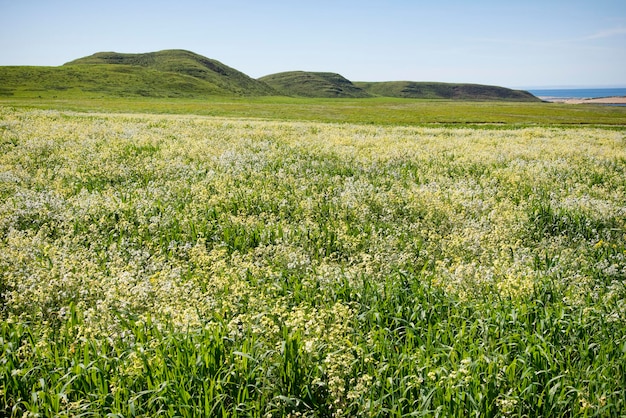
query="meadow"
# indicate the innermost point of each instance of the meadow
(382, 111)
(180, 265)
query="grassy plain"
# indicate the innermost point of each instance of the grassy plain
(374, 111)
(247, 264)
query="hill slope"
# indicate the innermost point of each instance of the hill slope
(184, 63)
(180, 73)
(85, 81)
(432, 90)
(313, 84)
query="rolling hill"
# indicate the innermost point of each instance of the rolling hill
(313, 84)
(180, 73)
(184, 63)
(171, 73)
(432, 90)
(92, 81)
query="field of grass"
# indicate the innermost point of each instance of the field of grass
(179, 265)
(373, 111)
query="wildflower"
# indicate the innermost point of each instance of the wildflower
(506, 405)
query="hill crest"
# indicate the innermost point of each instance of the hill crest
(185, 63)
(313, 84)
(438, 90)
(182, 73)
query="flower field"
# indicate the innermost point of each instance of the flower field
(200, 266)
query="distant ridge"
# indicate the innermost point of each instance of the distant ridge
(184, 63)
(313, 84)
(179, 73)
(433, 90)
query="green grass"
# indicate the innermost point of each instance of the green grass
(181, 82)
(377, 111)
(177, 265)
(100, 81)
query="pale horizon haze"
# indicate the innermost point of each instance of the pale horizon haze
(516, 44)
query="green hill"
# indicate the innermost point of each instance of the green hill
(185, 63)
(432, 90)
(101, 80)
(174, 73)
(180, 73)
(313, 84)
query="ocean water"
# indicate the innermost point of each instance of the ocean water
(578, 93)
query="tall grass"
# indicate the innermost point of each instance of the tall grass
(187, 266)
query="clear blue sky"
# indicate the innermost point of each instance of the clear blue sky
(526, 43)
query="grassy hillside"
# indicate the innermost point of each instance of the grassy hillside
(431, 90)
(184, 63)
(93, 81)
(313, 84)
(180, 73)
(173, 73)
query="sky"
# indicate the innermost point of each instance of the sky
(517, 44)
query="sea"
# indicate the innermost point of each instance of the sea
(561, 94)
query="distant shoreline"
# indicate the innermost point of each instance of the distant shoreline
(597, 100)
